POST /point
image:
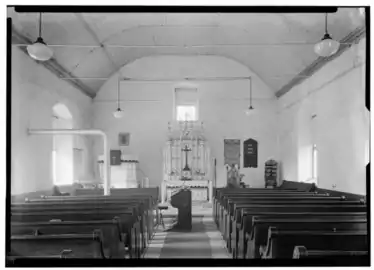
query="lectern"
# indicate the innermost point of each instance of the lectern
(183, 201)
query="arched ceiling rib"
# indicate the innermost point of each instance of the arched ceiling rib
(277, 47)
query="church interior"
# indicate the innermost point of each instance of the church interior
(200, 135)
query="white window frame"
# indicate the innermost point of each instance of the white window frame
(178, 103)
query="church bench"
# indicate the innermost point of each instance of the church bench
(230, 203)
(90, 204)
(81, 245)
(222, 203)
(281, 243)
(155, 191)
(260, 226)
(229, 209)
(286, 185)
(245, 227)
(301, 252)
(143, 201)
(87, 205)
(244, 215)
(64, 255)
(129, 223)
(232, 213)
(233, 216)
(113, 240)
(151, 202)
(121, 193)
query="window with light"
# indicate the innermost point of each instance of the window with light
(186, 104)
(186, 113)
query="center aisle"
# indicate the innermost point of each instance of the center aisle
(203, 241)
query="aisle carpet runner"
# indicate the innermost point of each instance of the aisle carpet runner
(203, 241)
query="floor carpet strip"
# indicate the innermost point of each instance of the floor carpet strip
(193, 244)
(203, 241)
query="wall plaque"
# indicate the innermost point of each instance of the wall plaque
(232, 151)
(250, 153)
(124, 139)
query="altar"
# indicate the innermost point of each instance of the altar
(187, 162)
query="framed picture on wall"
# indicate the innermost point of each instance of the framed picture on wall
(124, 139)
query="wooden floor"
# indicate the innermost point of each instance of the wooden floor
(204, 240)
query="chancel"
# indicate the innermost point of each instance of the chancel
(188, 135)
(187, 161)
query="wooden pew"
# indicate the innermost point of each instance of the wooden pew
(13, 259)
(149, 209)
(245, 215)
(125, 193)
(286, 185)
(301, 252)
(250, 192)
(281, 243)
(219, 193)
(81, 245)
(232, 213)
(258, 236)
(233, 219)
(144, 201)
(129, 222)
(113, 240)
(223, 201)
(245, 227)
(87, 205)
(232, 206)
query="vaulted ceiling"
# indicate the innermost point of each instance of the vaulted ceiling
(91, 47)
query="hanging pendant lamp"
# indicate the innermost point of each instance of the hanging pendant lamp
(250, 111)
(39, 49)
(118, 113)
(327, 46)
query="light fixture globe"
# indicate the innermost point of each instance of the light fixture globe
(39, 50)
(118, 113)
(327, 46)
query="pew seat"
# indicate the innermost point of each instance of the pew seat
(260, 226)
(113, 239)
(301, 252)
(129, 224)
(281, 243)
(81, 245)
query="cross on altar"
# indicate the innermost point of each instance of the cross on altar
(186, 149)
(186, 175)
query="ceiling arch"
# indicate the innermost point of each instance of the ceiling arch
(91, 47)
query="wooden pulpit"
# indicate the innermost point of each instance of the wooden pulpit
(182, 200)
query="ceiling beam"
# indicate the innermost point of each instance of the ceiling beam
(352, 38)
(53, 65)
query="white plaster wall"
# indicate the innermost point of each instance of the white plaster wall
(221, 107)
(336, 95)
(35, 90)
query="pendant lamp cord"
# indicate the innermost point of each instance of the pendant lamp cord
(250, 92)
(326, 23)
(40, 25)
(118, 94)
